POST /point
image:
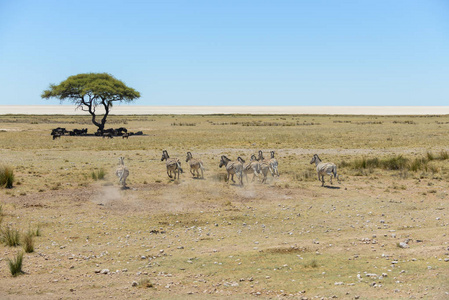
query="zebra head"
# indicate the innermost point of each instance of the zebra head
(272, 154)
(121, 161)
(260, 155)
(223, 161)
(253, 158)
(315, 159)
(189, 156)
(241, 160)
(165, 155)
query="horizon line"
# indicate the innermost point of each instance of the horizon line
(228, 109)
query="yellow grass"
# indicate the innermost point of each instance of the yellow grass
(197, 238)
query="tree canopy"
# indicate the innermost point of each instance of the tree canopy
(90, 90)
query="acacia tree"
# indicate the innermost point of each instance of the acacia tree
(91, 90)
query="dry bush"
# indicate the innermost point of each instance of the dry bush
(28, 243)
(145, 283)
(10, 237)
(6, 176)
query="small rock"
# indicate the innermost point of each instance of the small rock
(134, 283)
(403, 245)
(104, 271)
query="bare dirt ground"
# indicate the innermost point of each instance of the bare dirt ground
(204, 238)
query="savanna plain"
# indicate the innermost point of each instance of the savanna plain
(381, 233)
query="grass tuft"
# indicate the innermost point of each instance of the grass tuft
(6, 177)
(28, 243)
(99, 175)
(145, 283)
(10, 237)
(15, 265)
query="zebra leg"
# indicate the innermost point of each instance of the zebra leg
(322, 180)
(169, 174)
(254, 176)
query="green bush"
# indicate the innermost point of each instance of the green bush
(15, 266)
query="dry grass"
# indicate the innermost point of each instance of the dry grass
(203, 238)
(6, 177)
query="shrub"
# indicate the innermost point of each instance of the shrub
(145, 283)
(15, 266)
(311, 264)
(99, 175)
(418, 164)
(444, 155)
(365, 163)
(28, 244)
(307, 175)
(394, 163)
(6, 176)
(430, 155)
(10, 237)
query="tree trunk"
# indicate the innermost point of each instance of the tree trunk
(106, 113)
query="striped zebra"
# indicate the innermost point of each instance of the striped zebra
(263, 165)
(173, 165)
(325, 169)
(122, 172)
(253, 167)
(232, 167)
(195, 165)
(271, 164)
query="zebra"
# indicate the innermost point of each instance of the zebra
(122, 172)
(325, 169)
(253, 167)
(272, 163)
(173, 164)
(195, 165)
(232, 167)
(263, 165)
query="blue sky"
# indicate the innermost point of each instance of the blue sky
(313, 52)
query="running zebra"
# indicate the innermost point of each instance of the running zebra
(173, 165)
(232, 167)
(195, 165)
(122, 172)
(324, 169)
